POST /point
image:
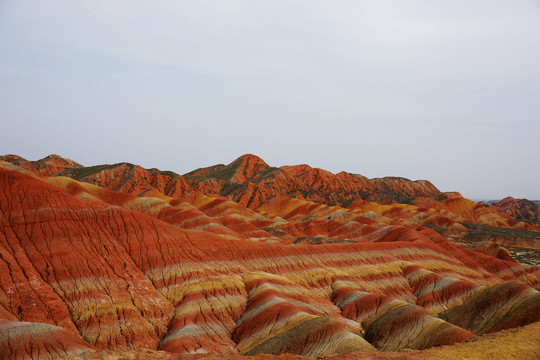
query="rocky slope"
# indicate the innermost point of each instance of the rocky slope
(52, 164)
(248, 180)
(521, 343)
(520, 209)
(119, 257)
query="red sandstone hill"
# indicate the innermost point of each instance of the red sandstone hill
(52, 164)
(520, 209)
(246, 259)
(247, 180)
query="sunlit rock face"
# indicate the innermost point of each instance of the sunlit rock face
(245, 259)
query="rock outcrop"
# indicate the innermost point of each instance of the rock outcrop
(31, 340)
(520, 209)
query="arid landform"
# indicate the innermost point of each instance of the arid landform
(246, 259)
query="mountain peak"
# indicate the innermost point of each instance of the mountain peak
(57, 159)
(250, 160)
(247, 166)
(52, 156)
(52, 164)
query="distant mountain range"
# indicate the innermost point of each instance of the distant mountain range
(520, 209)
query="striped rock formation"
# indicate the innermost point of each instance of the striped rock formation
(248, 180)
(29, 340)
(84, 267)
(52, 164)
(521, 209)
(251, 182)
(282, 317)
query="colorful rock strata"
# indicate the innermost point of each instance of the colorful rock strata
(117, 257)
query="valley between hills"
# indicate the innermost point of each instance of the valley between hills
(245, 259)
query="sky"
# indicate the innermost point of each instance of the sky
(447, 91)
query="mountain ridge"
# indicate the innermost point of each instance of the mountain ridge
(251, 167)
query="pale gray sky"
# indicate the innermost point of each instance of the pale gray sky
(447, 91)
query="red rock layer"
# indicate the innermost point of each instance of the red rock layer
(52, 164)
(520, 209)
(131, 178)
(62, 264)
(37, 341)
(391, 324)
(205, 317)
(282, 317)
(185, 274)
(255, 181)
(497, 307)
(250, 182)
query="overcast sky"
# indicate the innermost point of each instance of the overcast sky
(447, 91)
